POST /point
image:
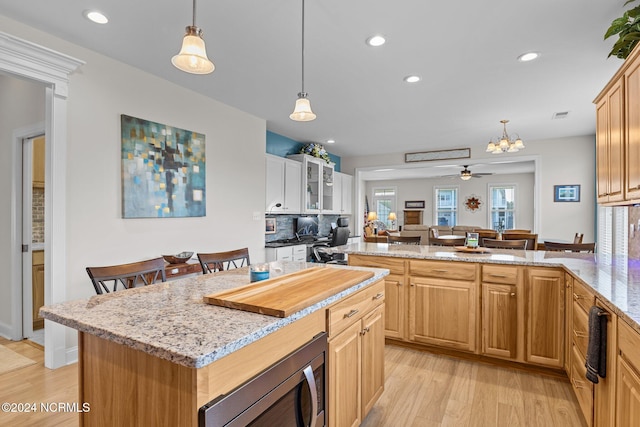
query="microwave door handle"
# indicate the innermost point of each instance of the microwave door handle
(313, 392)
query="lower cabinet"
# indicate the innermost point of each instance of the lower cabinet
(501, 322)
(37, 287)
(628, 377)
(286, 253)
(544, 314)
(356, 356)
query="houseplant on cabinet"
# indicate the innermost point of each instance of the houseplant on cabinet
(628, 29)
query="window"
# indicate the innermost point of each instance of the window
(384, 202)
(446, 205)
(502, 207)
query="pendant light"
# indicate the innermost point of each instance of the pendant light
(302, 111)
(193, 55)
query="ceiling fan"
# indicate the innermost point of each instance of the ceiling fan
(466, 174)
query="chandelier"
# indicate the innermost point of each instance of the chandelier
(505, 144)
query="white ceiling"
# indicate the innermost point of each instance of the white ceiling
(465, 51)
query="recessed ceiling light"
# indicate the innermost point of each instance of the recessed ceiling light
(529, 56)
(331, 141)
(376, 40)
(95, 16)
(412, 79)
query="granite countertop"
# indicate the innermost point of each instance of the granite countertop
(170, 320)
(615, 280)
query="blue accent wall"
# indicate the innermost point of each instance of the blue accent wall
(282, 146)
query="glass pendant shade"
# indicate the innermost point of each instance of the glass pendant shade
(519, 145)
(302, 111)
(193, 55)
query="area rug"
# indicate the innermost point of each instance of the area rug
(10, 360)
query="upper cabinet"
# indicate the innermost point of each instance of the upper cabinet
(283, 185)
(342, 193)
(38, 162)
(618, 135)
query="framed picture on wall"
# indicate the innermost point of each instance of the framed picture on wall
(270, 226)
(414, 204)
(566, 193)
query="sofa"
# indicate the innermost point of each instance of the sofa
(424, 231)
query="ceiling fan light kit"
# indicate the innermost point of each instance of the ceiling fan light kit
(505, 144)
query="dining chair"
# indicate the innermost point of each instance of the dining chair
(577, 238)
(403, 240)
(128, 275)
(212, 262)
(516, 230)
(375, 239)
(506, 244)
(569, 247)
(485, 234)
(531, 238)
(459, 241)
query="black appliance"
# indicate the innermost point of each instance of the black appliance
(290, 393)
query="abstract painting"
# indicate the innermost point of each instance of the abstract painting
(163, 170)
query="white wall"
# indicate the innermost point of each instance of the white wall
(21, 105)
(560, 161)
(423, 189)
(96, 234)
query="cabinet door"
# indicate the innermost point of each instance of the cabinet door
(345, 354)
(609, 145)
(37, 288)
(499, 320)
(274, 190)
(632, 138)
(443, 312)
(628, 395)
(292, 187)
(347, 194)
(372, 358)
(395, 312)
(568, 316)
(38, 162)
(544, 289)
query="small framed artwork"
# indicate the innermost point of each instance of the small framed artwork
(270, 226)
(414, 204)
(566, 193)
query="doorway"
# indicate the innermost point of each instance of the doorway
(33, 218)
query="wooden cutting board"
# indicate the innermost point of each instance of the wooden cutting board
(282, 296)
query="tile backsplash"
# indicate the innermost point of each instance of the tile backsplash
(37, 215)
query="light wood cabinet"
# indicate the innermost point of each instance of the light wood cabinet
(609, 145)
(501, 323)
(38, 162)
(283, 185)
(632, 127)
(37, 287)
(544, 314)
(627, 376)
(442, 304)
(395, 313)
(356, 356)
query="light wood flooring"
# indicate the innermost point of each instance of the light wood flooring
(428, 390)
(421, 389)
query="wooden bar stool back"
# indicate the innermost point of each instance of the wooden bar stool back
(570, 247)
(128, 275)
(212, 262)
(403, 240)
(506, 244)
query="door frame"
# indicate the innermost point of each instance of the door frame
(25, 59)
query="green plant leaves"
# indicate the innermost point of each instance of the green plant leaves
(627, 27)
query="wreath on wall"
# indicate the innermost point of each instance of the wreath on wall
(472, 203)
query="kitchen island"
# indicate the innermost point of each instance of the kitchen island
(154, 355)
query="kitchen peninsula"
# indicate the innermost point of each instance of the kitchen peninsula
(154, 355)
(525, 309)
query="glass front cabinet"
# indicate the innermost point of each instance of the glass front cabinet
(317, 184)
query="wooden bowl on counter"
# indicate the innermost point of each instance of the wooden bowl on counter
(180, 258)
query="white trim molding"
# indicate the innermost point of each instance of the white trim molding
(26, 59)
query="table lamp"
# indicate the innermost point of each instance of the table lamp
(373, 216)
(392, 217)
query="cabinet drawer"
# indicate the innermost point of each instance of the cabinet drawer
(352, 308)
(629, 344)
(502, 274)
(443, 270)
(580, 329)
(583, 295)
(581, 386)
(395, 265)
